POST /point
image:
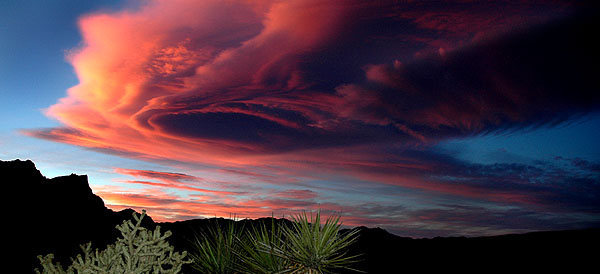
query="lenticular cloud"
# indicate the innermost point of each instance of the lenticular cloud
(190, 74)
(333, 93)
(229, 81)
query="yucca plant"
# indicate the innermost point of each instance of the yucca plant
(260, 247)
(306, 246)
(315, 248)
(217, 250)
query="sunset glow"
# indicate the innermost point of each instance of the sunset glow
(366, 108)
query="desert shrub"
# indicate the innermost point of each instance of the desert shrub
(139, 250)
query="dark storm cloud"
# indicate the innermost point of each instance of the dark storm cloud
(540, 77)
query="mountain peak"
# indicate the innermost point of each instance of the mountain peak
(20, 168)
(57, 215)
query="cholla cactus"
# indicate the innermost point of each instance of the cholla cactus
(138, 251)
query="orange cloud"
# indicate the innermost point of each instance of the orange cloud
(229, 83)
(134, 64)
(299, 92)
(163, 176)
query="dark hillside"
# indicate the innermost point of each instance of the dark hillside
(57, 215)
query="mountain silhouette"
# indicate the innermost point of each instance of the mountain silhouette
(58, 215)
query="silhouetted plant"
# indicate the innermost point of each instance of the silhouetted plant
(137, 251)
(260, 247)
(304, 247)
(217, 250)
(315, 248)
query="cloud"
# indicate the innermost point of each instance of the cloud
(163, 176)
(193, 190)
(179, 79)
(460, 220)
(170, 180)
(466, 218)
(536, 78)
(298, 194)
(302, 91)
(164, 206)
(544, 185)
(541, 188)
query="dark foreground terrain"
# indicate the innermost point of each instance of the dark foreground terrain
(59, 214)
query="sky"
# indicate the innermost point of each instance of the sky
(426, 118)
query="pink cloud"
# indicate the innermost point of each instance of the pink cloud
(226, 82)
(298, 194)
(292, 91)
(138, 68)
(163, 176)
